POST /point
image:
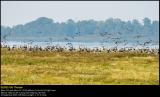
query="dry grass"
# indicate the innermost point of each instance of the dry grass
(50, 68)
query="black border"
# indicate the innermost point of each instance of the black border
(92, 90)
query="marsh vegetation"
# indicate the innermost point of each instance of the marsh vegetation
(82, 68)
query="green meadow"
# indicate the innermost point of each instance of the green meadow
(78, 68)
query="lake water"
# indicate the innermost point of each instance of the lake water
(76, 45)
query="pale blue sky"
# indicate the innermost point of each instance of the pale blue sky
(21, 12)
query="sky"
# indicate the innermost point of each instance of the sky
(21, 12)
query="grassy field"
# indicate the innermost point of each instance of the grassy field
(52, 68)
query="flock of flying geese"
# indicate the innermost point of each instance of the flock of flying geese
(116, 40)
